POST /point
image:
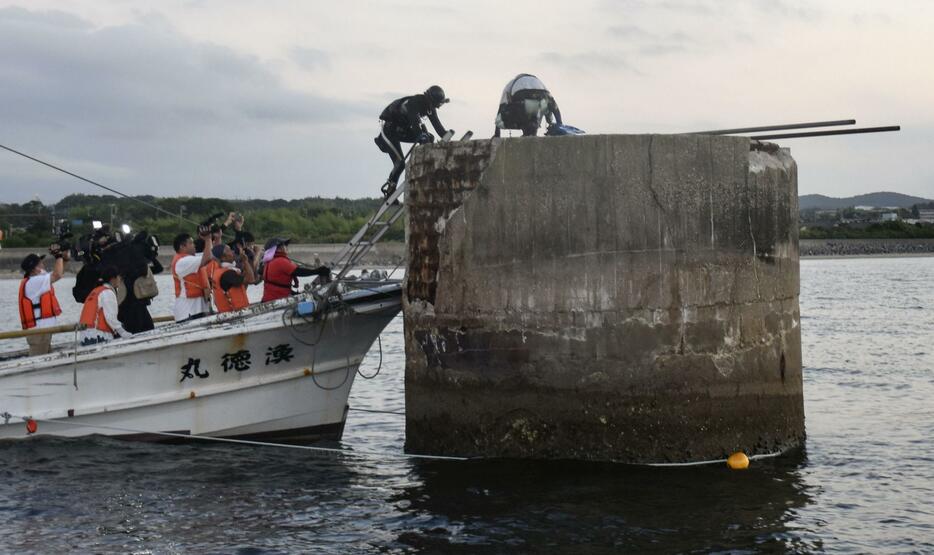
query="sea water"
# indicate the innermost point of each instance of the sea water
(864, 483)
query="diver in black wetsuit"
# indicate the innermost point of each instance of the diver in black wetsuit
(524, 102)
(402, 123)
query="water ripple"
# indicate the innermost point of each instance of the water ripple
(863, 484)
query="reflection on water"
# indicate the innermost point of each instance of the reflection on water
(603, 508)
(863, 484)
(104, 494)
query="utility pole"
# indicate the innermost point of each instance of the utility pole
(181, 214)
(113, 212)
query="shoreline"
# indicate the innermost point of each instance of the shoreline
(833, 248)
(868, 255)
(389, 255)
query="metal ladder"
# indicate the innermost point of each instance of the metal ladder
(374, 229)
(368, 235)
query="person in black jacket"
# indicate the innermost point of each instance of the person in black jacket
(135, 259)
(133, 256)
(93, 248)
(402, 123)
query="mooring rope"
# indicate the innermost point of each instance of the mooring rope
(379, 338)
(377, 411)
(116, 192)
(96, 184)
(334, 450)
(714, 461)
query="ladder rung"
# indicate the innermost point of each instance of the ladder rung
(355, 249)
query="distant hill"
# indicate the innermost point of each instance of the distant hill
(871, 199)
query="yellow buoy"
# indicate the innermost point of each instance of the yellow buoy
(738, 461)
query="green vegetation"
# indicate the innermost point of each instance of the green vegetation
(882, 230)
(324, 220)
(309, 220)
(866, 223)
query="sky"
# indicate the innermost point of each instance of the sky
(280, 99)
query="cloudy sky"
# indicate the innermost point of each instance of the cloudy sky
(250, 98)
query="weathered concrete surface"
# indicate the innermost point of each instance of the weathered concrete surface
(623, 297)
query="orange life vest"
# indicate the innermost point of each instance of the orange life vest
(48, 306)
(234, 298)
(92, 314)
(278, 280)
(194, 286)
(205, 284)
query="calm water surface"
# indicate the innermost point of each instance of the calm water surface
(864, 483)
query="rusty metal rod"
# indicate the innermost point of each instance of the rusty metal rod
(827, 133)
(780, 127)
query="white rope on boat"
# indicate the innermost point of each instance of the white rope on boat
(335, 450)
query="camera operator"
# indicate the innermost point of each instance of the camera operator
(38, 307)
(189, 288)
(217, 231)
(135, 259)
(95, 250)
(245, 242)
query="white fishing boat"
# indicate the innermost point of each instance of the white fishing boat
(277, 371)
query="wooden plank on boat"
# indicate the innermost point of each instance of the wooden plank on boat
(64, 328)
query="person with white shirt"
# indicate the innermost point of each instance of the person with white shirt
(189, 287)
(99, 314)
(38, 307)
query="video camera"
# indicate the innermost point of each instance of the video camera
(209, 221)
(64, 237)
(209, 224)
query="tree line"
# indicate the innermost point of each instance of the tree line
(853, 223)
(880, 230)
(308, 220)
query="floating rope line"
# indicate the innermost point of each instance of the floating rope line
(334, 450)
(376, 411)
(715, 461)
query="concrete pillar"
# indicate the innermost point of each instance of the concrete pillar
(603, 297)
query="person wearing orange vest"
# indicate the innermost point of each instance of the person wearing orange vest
(189, 289)
(280, 274)
(228, 282)
(99, 314)
(38, 307)
(203, 271)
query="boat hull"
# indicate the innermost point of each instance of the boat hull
(266, 373)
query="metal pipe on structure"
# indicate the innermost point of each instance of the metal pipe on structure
(780, 127)
(827, 133)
